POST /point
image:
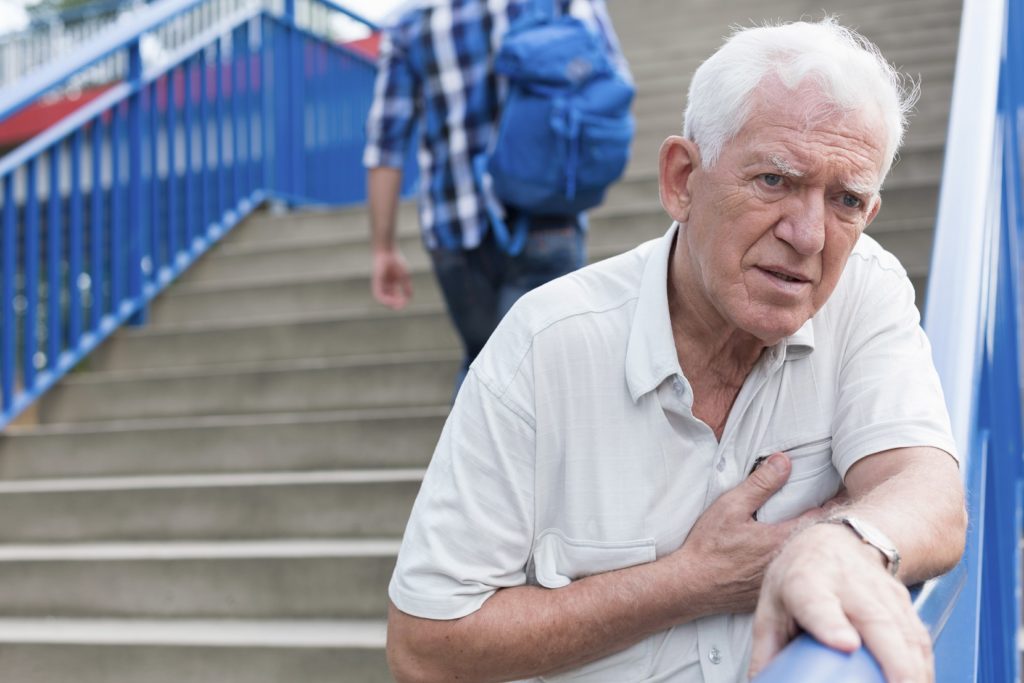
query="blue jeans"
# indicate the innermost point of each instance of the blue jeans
(481, 284)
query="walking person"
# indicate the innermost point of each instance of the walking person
(437, 81)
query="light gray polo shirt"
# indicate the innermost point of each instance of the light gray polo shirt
(572, 449)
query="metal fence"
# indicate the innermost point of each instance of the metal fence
(106, 208)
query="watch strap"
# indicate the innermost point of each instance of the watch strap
(871, 536)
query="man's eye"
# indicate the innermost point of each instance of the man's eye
(851, 202)
(771, 179)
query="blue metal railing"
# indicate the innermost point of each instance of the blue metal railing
(972, 318)
(103, 210)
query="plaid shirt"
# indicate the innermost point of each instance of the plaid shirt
(435, 71)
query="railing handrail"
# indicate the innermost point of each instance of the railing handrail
(954, 312)
(109, 41)
(29, 88)
(332, 4)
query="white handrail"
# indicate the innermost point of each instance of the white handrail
(960, 277)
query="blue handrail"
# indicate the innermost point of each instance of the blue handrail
(118, 37)
(103, 210)
(972, 318)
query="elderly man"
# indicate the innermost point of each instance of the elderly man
(743, 412)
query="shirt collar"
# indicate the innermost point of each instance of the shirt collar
(651, 351)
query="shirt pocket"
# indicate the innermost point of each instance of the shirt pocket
(813, 479)
(559, 560)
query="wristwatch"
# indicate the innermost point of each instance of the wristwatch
(873, 537)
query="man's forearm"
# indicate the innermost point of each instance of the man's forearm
(384, 186)
(527, 631)
(915, 496)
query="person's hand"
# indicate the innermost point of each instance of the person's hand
(729, 549)
(830, 584)
(390, 281)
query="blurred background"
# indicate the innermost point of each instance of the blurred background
(212, 435)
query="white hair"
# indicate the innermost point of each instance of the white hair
(851, 72)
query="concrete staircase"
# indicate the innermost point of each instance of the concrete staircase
(219, 496)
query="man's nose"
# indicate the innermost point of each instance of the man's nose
(803, 226)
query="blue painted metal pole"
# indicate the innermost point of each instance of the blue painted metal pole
(205, 190)
(815, 662)
(118, 229)
(237, 163)
(268, 118)
(31, 318)
(251, 107)
(136, 223)
(173, 225)
(297, 81)
(152, 256)
(75, 243)
(283, 119)
(54, 263)
(190, 223)
(97, 234)
(8, 327)
(222, 178)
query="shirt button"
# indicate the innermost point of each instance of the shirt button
(677, 386)
(721, 464)
(715, 655)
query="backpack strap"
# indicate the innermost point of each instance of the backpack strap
(511, 238)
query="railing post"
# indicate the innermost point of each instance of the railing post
(8, 244)
(136, 211)
(291, 124)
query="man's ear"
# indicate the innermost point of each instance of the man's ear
(677, 161)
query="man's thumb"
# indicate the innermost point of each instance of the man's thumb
(764, 481)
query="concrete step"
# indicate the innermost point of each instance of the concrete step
(231, 262)
(316, 250)
(686, 47)
(289, 296)
(705, 15)
(663, 108)
(254, 505)
(425, 328)
(278, 579)
(58, 650)
(224, 444)
(707, 32)
(351, 222)
(677, 72)
(919, 46)
(418, 379)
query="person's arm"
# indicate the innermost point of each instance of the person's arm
(390, 280)
(527, 631)
(831, 584)
(389, 126)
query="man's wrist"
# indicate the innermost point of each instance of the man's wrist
(872, 536)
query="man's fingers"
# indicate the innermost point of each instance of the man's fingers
(763, 482)
(895, 636)
(823, 617)
(772, 631)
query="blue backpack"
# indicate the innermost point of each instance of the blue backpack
(566, 127)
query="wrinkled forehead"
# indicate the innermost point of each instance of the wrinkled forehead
(781, 120)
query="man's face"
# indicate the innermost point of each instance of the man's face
(769, 227)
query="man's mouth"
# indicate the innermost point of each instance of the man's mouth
(785, 277)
